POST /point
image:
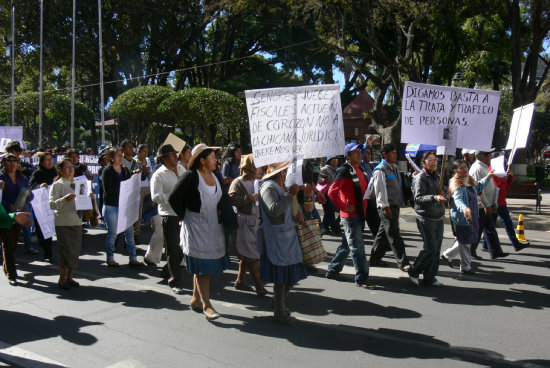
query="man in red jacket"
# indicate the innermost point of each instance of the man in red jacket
(347, 192)
(504, 184)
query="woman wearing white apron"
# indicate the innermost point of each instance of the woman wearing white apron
(198, 199)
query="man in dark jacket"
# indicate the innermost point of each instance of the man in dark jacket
(347, 192)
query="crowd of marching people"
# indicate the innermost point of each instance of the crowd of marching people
(211, 206)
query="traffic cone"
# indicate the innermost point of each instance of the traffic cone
(520, 233)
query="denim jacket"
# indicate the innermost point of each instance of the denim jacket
(460, 202)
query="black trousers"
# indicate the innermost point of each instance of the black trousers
(487, 228)
(373, 219)
(387, 238)
(174, 254)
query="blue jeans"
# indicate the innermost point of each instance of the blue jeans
(110, 214)
(26, 231)
(504, 215)
(352, 240)
(427, 261)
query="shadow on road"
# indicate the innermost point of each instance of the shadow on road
(21, 328)
(388, 343)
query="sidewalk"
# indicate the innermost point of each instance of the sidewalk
(526, 207)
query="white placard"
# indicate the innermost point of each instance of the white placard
(520, 127)
(294, 172)
(12, 132)
(497, 164)
(3, 143)
(43, 213)
(472, 112)
(303, 120)
(128, 203)
(83, 188)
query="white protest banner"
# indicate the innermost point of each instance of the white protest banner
(520, 127)
(83, 188)
(497, 164)
(3, 143)
(294, 172)
(471, 112)
(44, 215)
(295, 120)
(12, 132)
(128, 203)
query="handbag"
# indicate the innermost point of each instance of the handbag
(309, 237)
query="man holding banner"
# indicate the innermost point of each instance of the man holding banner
(347, 192)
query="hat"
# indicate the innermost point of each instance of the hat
(8, 155)
(327, 162)
(274, 169)
(197, 150)
(352, 147)
(14, 145)
(165, 150)
(483, 153)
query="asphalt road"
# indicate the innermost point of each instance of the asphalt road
(130, 318)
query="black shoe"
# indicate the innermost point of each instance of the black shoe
(135, 264)
(501, 255)
(468, 272)
(73, 283)
(13, 282)
(365, 285)
(484, 249)
(521, 246)
(149, 263)
(446, 260)
(332, 275)
(63, 286)
(475, 256)
(405, 268)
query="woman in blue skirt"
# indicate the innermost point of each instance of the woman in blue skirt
(198, 199)
(281, 255)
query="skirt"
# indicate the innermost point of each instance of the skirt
(199, 266)
(69, 242)
(270, 273)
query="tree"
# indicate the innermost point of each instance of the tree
(137, 110)
(207, 112)
(56, 117)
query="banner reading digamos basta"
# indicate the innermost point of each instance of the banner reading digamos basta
(285, 122)
(471, 113)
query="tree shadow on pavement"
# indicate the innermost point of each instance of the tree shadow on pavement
(449, 294)
(145, 298)
(21, 328)
(384, 342)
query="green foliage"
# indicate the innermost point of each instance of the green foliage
(56, 117)
(205, 110)
(136, 110)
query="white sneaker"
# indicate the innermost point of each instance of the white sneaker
(414, 280)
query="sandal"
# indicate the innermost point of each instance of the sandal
(262, 292)
(243, 287)
(112, 264)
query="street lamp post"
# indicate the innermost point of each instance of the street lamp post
(40, 80)
(12, 51)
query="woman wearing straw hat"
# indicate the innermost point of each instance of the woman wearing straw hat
(244, 240)
(281, 256)
(205, 208)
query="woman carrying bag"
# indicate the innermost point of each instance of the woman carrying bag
(281, 255)
(464, 190)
